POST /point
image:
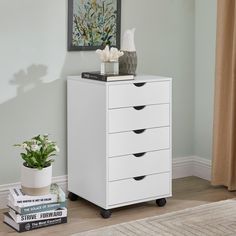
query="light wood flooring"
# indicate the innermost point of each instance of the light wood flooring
(83, 216)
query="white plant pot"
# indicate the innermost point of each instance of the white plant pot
(36, 182)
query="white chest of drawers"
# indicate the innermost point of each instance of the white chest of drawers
(119, 140)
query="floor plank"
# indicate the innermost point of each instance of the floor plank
(83, 216)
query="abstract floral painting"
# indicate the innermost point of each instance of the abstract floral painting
(93, 24)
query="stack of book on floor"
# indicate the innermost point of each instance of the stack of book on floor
(96, 75)
(33, 212)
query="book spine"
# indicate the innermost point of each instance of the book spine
(93, 76)
(38, 216)
(42, 207)
(20, 199)
(27, 226)
(30, 202)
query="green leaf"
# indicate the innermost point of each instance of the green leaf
(40, 158)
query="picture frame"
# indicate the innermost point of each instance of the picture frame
(93, 24)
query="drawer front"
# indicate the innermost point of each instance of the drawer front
(130, 189)
(137, 165)
(140, 117)
(131, 142)
(125, 95)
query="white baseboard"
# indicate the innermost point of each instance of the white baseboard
(191, 166)
(182, 167)
(4, 189)
(202, 168)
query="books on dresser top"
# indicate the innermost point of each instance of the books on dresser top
(96, 75)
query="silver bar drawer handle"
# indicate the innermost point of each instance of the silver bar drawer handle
(139, 154)
(138, 178)
(139, 107)
(139, 131)
(139, 84)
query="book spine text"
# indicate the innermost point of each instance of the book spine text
(42, 223)
(42, 207)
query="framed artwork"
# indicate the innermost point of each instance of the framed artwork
(93, 24)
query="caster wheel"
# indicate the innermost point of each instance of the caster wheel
(72, 196)
(161, 202)
(105, 213)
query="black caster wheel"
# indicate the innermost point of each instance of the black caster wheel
(72, 196)
(105, 213)
(161, 202)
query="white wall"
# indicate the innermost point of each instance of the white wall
(205, 43)
(34, 65)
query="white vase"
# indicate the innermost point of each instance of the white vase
(36, 182)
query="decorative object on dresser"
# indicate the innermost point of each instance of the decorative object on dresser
(109, 60)
(97, 76)
(128, 124)
(33, 212)
(36, 171)
(128, 62)
(93, 24)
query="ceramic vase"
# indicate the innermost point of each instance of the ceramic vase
(36, 182)
(128, 63)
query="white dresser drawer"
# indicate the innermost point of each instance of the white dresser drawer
(131, 142)
(128, 190)
(139, 164)
(139, 117)
(125, 95)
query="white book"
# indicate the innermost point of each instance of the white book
(18, 218)
(18, 198)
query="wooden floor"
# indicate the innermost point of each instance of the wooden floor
(83, 216)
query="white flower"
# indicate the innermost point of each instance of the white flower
(34, 141)
(57, 148)
(24, 145)
(35, 147)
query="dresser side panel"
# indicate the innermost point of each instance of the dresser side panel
(171, 148)
(87, 171)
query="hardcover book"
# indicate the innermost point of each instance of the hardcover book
(37, 208)
(26, 226)
(96, 75)
(18, 198)
(45, 215)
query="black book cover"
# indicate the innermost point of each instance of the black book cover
(96, 75)
(27, 226)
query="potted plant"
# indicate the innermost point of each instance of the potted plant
(36, 171)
